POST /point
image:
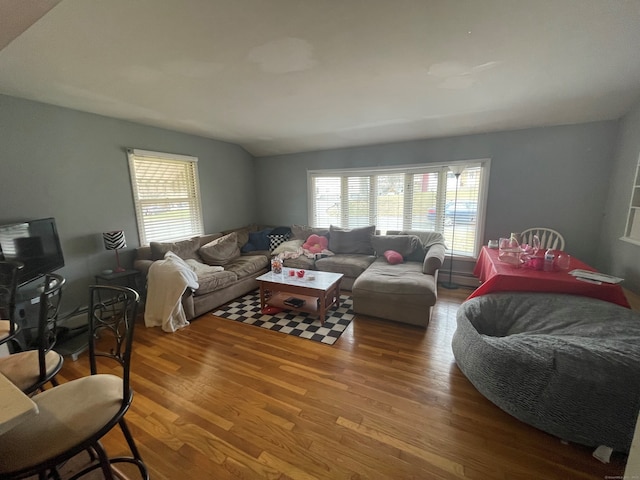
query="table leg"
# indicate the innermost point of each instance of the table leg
(323, 305)
(262, 302)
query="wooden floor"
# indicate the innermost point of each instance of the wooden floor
(221, 399)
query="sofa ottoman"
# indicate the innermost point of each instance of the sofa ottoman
(402, 293)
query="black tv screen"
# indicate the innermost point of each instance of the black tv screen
(34, 243)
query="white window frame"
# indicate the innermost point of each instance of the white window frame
(485, 164)
(186, 193)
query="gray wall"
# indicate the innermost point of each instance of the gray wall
(554, 177)
(616, 256)
(73, 166)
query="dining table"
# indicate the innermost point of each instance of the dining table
(15, 406)
(498, 276)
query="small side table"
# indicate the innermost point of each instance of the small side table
(128, 278)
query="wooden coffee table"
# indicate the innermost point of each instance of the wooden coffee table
(319, 290)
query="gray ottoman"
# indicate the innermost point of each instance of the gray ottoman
(565, 364)
(402, 293)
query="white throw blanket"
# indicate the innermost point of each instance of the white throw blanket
(167, 281)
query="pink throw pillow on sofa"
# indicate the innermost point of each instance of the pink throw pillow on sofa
(316, 243)
(393, 257)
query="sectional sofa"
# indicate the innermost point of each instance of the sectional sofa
(403, 292)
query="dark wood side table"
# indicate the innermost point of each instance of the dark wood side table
(128, 278)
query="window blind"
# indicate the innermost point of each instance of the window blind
(404, 198)
(166, 196)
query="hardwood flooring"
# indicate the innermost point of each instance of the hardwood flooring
(220, 399)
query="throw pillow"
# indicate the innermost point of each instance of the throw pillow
(221, 251)
(277, 236)
(354, 240)
(393, 257)
(258, 241)
(404, 244)
(316, 243)
(184, 249)
(288, 246)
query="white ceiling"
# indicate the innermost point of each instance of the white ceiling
(282, 76)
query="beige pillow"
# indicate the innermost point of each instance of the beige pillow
(185, 249)
(220, 251)
(288, 246)
(351, 240)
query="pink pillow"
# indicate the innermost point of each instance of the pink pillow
(393, 257)
(316, 243)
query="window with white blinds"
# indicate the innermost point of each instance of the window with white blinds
(405, 198)
(166, 196)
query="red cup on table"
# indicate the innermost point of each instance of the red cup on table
(292, 273)
(300, 273)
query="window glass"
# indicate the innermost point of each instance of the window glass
(428, 197)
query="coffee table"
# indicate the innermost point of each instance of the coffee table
(319, 290)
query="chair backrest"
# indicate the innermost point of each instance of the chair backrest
(549, 238)
(112, 318)
(50, 301)
(9, 273)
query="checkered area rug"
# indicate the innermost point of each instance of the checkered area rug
(247, 310)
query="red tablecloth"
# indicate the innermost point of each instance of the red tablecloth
(497, 276)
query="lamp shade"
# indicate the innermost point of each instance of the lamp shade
(114, 240)
(456, 169)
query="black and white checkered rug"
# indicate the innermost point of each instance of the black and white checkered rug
(247, 310)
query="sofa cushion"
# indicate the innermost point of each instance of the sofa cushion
(351, 240)
(221, 251)
(349, 265)
(247, 265)
(302, 232)
(185, 249)
(406, 281)
(215, 281)
(302, 261)
(242, 236)
(403, 244)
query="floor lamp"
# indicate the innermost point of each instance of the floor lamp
(456, 170)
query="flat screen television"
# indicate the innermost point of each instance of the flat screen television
(34, 243)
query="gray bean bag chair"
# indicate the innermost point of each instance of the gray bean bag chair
(568, 365)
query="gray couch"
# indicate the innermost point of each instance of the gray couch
(404, 292)
(238, 277)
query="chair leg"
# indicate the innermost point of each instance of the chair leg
(132, 444)
(134, 450)
(104, 461)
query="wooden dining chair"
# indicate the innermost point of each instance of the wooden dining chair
(75, 415)
(548, 237)
(31, 369)
(9, 274)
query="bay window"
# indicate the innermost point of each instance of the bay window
(418, 197)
